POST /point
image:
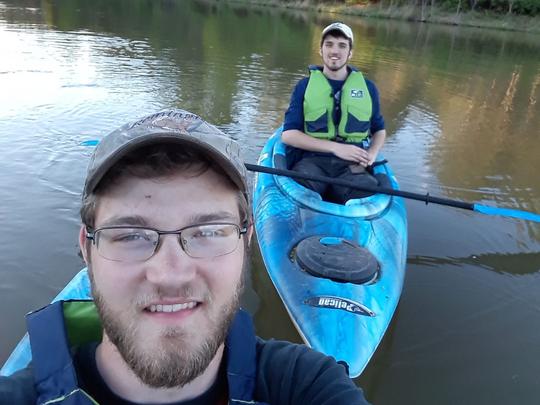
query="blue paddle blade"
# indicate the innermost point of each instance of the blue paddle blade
(506, 212)
(90, 142)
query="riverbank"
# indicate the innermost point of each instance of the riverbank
(426, 14)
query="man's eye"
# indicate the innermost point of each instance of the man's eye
(208, 233)
(130, 237)
(212, 232)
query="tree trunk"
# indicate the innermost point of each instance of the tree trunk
(457, 11)
(423, 11)
(510, 5)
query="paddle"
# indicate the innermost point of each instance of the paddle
(483, 209)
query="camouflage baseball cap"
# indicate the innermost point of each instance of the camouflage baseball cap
(167, 126)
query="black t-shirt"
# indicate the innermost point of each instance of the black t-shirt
(91, 382)
(287, 374)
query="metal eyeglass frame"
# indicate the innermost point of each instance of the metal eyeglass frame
(90, 235)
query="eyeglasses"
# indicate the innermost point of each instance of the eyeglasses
(137, 244)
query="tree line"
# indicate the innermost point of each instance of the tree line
(501, 7)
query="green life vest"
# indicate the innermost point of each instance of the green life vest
(355, 106)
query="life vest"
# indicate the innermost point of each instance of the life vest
(58, 326)
(355, 103)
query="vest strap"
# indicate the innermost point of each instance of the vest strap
(241, 359)
(53, 369)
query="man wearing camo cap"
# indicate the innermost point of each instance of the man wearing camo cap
(166, 228)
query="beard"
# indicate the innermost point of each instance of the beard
(334, 67)
(174, 359)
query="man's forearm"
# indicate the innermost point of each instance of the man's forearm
(345, 151)
(298, 139)
(377, 142)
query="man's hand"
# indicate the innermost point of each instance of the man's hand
(353, 153)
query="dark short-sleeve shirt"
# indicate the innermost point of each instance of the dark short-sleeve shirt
(287, 374)
(304, 376)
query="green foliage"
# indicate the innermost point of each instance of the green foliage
(498, 7)
(518, 7)
(527, 7)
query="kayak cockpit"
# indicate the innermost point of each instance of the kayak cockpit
(367, 207)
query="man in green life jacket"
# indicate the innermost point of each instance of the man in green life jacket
(334, 118)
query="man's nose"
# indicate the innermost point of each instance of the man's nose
(170, 265)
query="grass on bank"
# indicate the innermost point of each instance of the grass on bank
(437, 15)
(484, 19)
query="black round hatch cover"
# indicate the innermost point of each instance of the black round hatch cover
(337, 259)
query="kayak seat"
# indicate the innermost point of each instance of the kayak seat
(280, 161)
(337, 259)
(293, 156)
(382, 181)
(291, 187)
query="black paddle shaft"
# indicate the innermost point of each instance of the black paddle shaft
(380, 190)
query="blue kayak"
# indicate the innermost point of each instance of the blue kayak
(339, 269)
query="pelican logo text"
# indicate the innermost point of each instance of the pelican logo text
(336, 303)
(357, 93)
(339, 303)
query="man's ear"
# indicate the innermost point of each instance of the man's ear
(83, 242)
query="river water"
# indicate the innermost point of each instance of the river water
(463, 115)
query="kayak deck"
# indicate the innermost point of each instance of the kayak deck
(342, 319)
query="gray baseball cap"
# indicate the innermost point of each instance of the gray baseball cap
(339, 26)
(167, 126)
